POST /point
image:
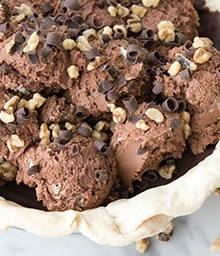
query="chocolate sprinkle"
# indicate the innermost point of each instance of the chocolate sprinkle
(101, 175)
(130, 103)
(170, 104)
(71, 4)
(33, 170)
(102, 147)
(84, 131)
(53, 39)
(22, 114)
(91, 54)
(81, 112)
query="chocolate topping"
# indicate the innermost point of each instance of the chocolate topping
(71, 4)
(130, 103)
(53, 39)
(22, 115)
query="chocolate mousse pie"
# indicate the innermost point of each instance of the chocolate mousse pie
(109, 117)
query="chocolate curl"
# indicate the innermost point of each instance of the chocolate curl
(19, 38)
(104, 86)
(174, 123)
(187, 51)
(141, 185)
(34, 59)
(121, 81)
(106, 38)
(147, 37)
(75, 150)
(84, 131)
(112, 95)
(134, 118)
(33, 170)
(72, 24)
(60, 18)
(65, 137)
(130, 103)
(132, 53)
(118, 34)
(22, 115)
(112, 72)
(97, 23)
(45, 51)
(179, 38)
(27, 30)
(158, 88)
(185, 74)
(102, 147)
(76, 18)
(71, 4)
(5, 69)
(182, 106)
(151, 176)
(92, 54)
(46, 8)
(101, 175)
(73, 33)
(170, 104)
(153, 57)
(4, 27)
(48, 22)
(53, 39)
(81, 112)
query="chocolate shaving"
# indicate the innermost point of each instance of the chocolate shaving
(153, 57)
(33, 170)
(135, 118)
(141, 150)
(118, 34)
(53, 39)
(46, 8)
(182, 106)
(45, 51)
(187, 51)
(151, 176)
(76, 18)
(170, 104)
(174, 123)
(27, 30)
(91, 54)
(102, 147)
(106, 38)
(34, 59)
(19, 38)
(71, 4)
(179, 38)
(60, 18)
(112, 95)
(158, 88)
(101, 175)
(97, 23)
(185, 74)
(147, 34)
(130, 103)
(48, 22)
(22, 115)
(105, 86)
(132, 53)
(121, 81)
(65, 137)
(72, 24)
(81, 112)
(4, 27)
(73, 33)
(84, 131)
(141, 185)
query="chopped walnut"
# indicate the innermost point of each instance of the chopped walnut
(142, 125)
(44, 134)
(202, 42)
(201, 56)
(69, 44)
(166, 171)
(83, 44)
(140, 11)
(32, 43)
(119, 115)
(99, 60)
(9, 46)
(7, 171)
(149, 3)
(174, 68)
(36, 102)
(7, 116)
(142, 245)
(12, 103)
(14, 143)
(155, 115)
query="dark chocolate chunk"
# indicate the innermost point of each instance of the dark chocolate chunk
(118, 34)
(130, 103)
(46, 8)
(102, 147)
(101, 175)
(72, 24)
(112, 72)
(22, 115)
(27, 30)
(48, 22)
(53, 39)
(135, 118)
(179, 38)
(4, 27)
(91, 54)
(112, 95)
(77, 18)
(81, 113)
(170, 104)
(121, 81)
(19, 38)
(45, 51)
(73, 33)
(158, 88)
(84, 131)
(60, 18)
(106, 38)
(33, 170)
(71, 4)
